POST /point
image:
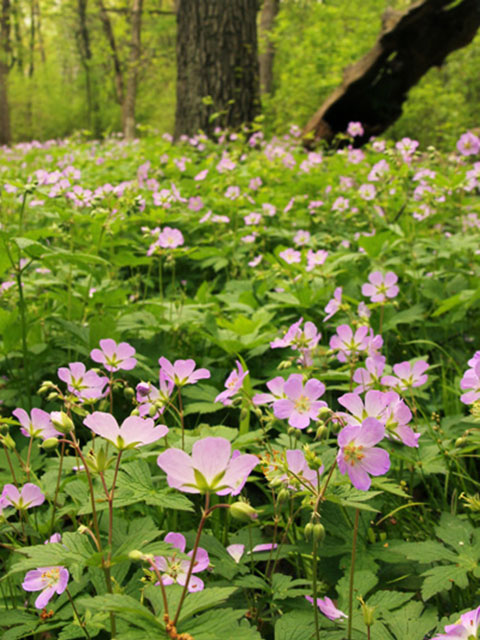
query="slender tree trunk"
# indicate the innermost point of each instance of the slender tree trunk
(132, 76)
(83, 38)
(117, 67)
(31, 60)
(17, 18)
(374, 89)
(267, 49)
(36, 8)
(5, 134)
(217, 65)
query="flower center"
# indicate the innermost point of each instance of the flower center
(353, 454)
(302, 404)
(51, 576)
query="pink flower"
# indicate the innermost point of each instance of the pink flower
(255, 261)
(195, 203)
(355, 129)
(333, 305)
(471, 380)
(328, 609)
(38, 424)
(369, 376)
(291, 256)
(347, 343)
(468, 144)
(358, 456)
(465, 629)
(381, 286)
(276, 387)
(30, 496)
(152, 401)
(340, 204)
(48, 580)
(210, 468)
(170, 238)
(113, 356)
(182, 372)
(236, 551)
(367, 191)
(407, 375)
(134, 432)
(297, 338)
(85, 385)
(315, 258)
(297, 475)
(301, 403)
(301, 237)
(174, 570)
(233, 385)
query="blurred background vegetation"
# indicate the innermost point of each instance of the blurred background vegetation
(314, 42)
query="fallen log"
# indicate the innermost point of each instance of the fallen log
(374, 88)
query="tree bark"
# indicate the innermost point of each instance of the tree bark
(375, 88)
(267, 49)
(5, 133)
(217, 65)
(117, 67)
(132, 77)
(83, 40)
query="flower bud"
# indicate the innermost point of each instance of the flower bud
(318, 532)
(49, 443)
(461, 442)
(308, 531)
(321, 432)
(52, 396)
(62, 422)
(136, 555)
(129, 393)
(368, 614)
(8, 441)
(283, 495)
(243, 511)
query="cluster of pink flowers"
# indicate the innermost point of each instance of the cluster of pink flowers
(303, 340)
(470, 381)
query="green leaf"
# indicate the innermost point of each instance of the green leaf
(441, 578)
(209, 598)
(295, 625)
(412, 621)
(428, 551)
(220, 625)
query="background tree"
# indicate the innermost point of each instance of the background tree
(4, 64)
(268, 14)
(217, 65)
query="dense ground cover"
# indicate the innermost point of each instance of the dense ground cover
(303, 308)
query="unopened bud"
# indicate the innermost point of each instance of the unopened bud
(318, 532)
(152, 411)
(129, 393)
(461, 442)
(368, 613)
(283, 495)
(321, 432)
(308, 531)
(136, 555)
(324, 413)
(49, 443)
(243, 511)
(52, 396)
(62, 422)
(8, 441)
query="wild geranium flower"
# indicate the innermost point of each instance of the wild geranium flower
(465, 629)
(175, 570)
(134, 432)
(29, 496)
(355, 129)
(301, 237)
(210, 469)
(48, 580)
(407, 375)
(347, 343)
(334, 304)
(152, 401)
(182, 372)
(369, 376)
(359, 457)
(471, 383)
(367, 191)
(114, 356)
(304, 339)
(381, 286)
(327, 607)
(315, 259)
(291, 256)
(37, 425)
(233, 384)
(85, 385)
(468, 144)
(301, 404)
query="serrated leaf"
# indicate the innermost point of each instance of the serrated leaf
(427, 551)
(412, 622)
(441, 579)
(209, 598)
(295, 625)
(220, 625)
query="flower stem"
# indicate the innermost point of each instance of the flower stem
(352, 574)
(9, 460)
(75, 611)
(314, 584)
(52, 521)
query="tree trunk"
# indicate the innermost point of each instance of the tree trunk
(267, 49)
(217, 65)
(83, 39)
(117, 67)
(375, 88)
(17, 19)
(132, 77)
(5, 134)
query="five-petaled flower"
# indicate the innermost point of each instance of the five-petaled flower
(114, 356)
(85, 385)
(233, 384)
(182, 372)
(358, 456)
(210, 469)
(465, 629)
(380, 286)
(29, 496)
(48, 580)
(38, 424)
(134, 432)
(175, 570)
(301, 403)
